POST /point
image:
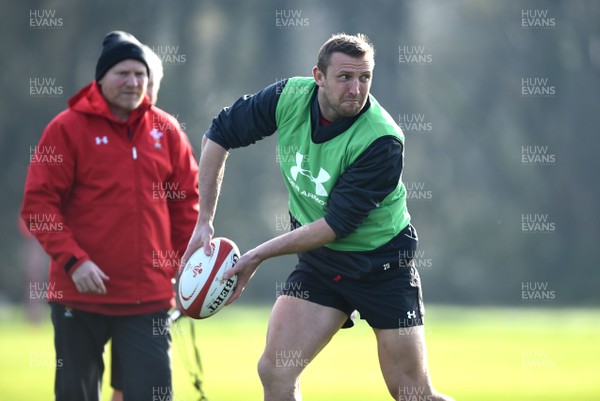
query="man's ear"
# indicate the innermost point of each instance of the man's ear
(319, 76)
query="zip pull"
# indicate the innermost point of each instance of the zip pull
(134, 153)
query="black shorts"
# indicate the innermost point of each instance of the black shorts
(389, 300)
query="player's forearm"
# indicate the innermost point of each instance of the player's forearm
(305, 238)
(210, 177)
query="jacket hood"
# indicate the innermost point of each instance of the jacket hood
(90, 100)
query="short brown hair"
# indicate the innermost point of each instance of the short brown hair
(352, 45)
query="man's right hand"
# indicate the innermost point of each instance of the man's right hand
(89, 278)
(202, 236)
(210, 177)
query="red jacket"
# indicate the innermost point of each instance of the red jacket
(122, 194)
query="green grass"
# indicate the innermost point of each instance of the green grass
(474, 354)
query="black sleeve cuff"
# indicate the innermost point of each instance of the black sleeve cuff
(335, 226)
(70, 264)
(218, 139)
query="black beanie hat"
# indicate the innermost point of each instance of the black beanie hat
(116, 47)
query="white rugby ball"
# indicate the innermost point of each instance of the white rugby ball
(200, 291)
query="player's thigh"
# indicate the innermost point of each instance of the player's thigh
(298, 330)
(403, 358)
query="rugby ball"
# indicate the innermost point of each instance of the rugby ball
(200, 291)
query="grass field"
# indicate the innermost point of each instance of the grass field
(475, 354)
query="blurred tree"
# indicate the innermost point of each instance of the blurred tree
(469, 91)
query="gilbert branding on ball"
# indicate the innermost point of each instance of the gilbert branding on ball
(200, 291)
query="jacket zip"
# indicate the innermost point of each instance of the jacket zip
(133, 148)
(137, 212)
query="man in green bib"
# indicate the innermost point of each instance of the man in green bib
(351, 228)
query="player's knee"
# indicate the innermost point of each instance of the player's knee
(267, 371)
(409, 383)
(272, 375)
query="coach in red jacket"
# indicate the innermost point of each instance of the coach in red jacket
(111, 194)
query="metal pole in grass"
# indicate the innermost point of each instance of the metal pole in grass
(175, 316)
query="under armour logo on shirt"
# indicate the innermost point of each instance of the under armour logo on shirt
(411, 314)
(319, 180)
(100, 140)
